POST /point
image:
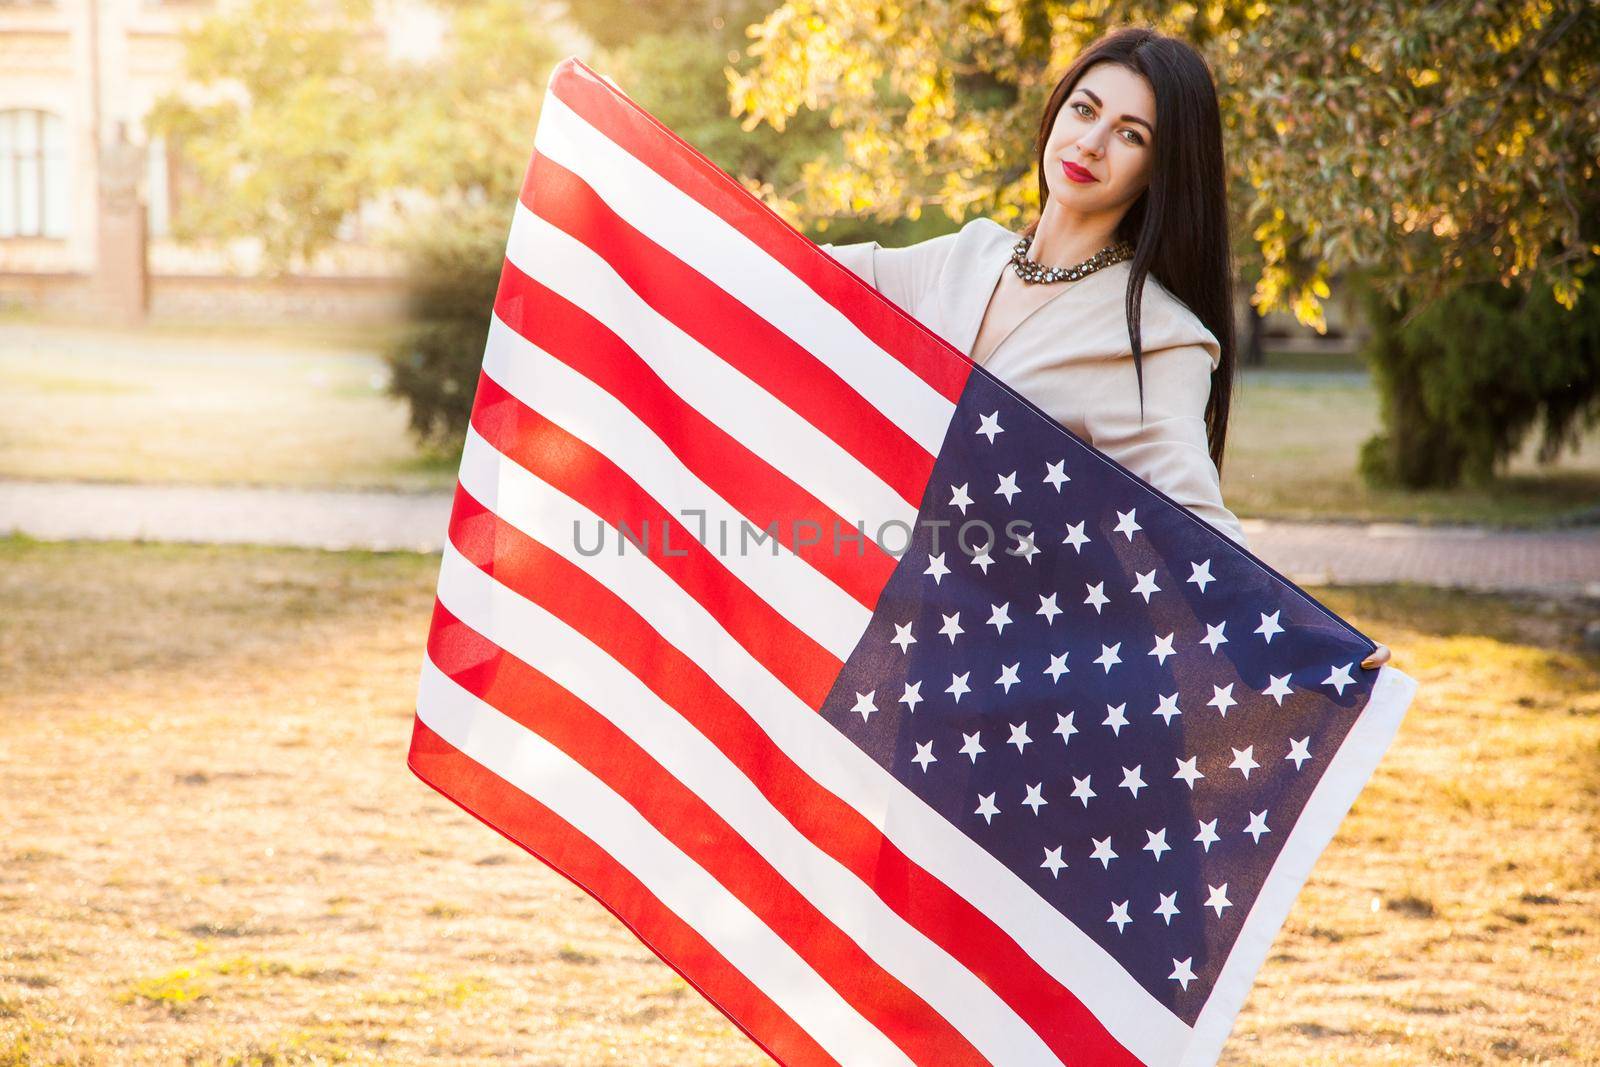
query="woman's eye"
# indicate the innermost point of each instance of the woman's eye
(1088, 112)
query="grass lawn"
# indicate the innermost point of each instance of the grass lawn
(1294, 436)
(304, 408)
(214, 854)
(262, 407)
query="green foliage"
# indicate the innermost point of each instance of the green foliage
(294, 116)
(1467, 378)
(1422, 143)
(1445, 152)
(614, 24)
(681, 76)
(284, 99)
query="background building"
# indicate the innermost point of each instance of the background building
(82, 185)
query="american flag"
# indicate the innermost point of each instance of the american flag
(903, 724)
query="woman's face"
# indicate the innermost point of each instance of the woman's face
(1106, 127)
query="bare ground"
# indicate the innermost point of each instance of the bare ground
(211, 851)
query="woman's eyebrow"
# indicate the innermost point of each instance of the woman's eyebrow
(1126, 118)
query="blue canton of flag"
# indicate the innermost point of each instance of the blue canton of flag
(1116, 702)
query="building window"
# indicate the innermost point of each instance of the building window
(33, 174)
(158, 188)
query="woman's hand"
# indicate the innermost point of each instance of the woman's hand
(1379, 657)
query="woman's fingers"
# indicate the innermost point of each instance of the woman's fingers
(1379, 656)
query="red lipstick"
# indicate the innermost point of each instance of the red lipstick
(1077, 173)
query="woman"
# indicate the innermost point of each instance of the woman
(1112, 311)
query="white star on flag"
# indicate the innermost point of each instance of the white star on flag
(1339, 677)
(1081, 791)
(959, 497)
(1278, 689)
(972, 749)
(1188, 771)
(1047, 607)
(1008, 486)
(1218, 898)
(1269, 626)
(1116, 717)
(1222, 698)
(1064, 727)
(902, 637)
(1076, 537)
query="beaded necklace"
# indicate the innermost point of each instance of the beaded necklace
(1034, 273)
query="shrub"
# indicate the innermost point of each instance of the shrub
(1469, 377)
(453, 267)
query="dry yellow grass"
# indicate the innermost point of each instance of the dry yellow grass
(213, 852)
(267, 407)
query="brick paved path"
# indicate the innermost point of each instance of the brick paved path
(1561, 562)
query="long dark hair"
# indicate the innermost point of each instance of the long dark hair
(1179, 225)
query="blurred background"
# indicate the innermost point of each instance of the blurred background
(248, 250)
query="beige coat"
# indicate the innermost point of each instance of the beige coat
(1071, 356)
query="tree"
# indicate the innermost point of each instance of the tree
(293, 115)
(1426, 146)
(675, 65)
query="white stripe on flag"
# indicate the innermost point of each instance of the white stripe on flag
(711, 245)
(533, 765)
(760, 421)
(573, 662)
(798, 591)
(1137, 1020)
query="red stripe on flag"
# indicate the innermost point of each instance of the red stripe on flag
(529, 697)
(949, 920)
(929, 356)
(517, 816)
(574, 468)
(754, 488)
(739, 336)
